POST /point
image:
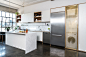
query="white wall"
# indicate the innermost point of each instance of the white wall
(49, 4)
(82, 28)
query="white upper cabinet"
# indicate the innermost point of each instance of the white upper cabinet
(46, 15)
(29, 17)
(58, 9)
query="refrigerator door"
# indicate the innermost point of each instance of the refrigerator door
(58, 23)
(58, 40)
(58, 28)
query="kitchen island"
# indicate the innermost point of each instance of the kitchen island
(24, 41)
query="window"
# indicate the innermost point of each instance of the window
(3, 13)
(7, 20)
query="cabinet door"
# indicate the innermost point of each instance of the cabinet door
(58, 40)
(39, 36)
(46, 37)
(29, 17)
(58, 9)
(46, 15)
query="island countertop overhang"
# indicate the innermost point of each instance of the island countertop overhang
(19, 33)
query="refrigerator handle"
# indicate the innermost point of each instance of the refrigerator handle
(56, 35)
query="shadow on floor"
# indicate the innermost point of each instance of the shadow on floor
(41, 51)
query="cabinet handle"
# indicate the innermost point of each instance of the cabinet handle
(56, 35)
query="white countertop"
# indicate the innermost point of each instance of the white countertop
(29, 31)
(14, 32)
(40, 31)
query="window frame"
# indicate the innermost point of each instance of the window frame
(2, 17)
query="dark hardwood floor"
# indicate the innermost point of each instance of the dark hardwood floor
(41, 51)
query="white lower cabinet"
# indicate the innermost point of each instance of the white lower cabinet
(40, 36)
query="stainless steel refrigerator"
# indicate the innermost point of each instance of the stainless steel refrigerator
(58, 29)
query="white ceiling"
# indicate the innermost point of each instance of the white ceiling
(19, 3)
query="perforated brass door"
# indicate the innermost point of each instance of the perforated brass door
(71, 26)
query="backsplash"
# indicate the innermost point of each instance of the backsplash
(35, 26)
